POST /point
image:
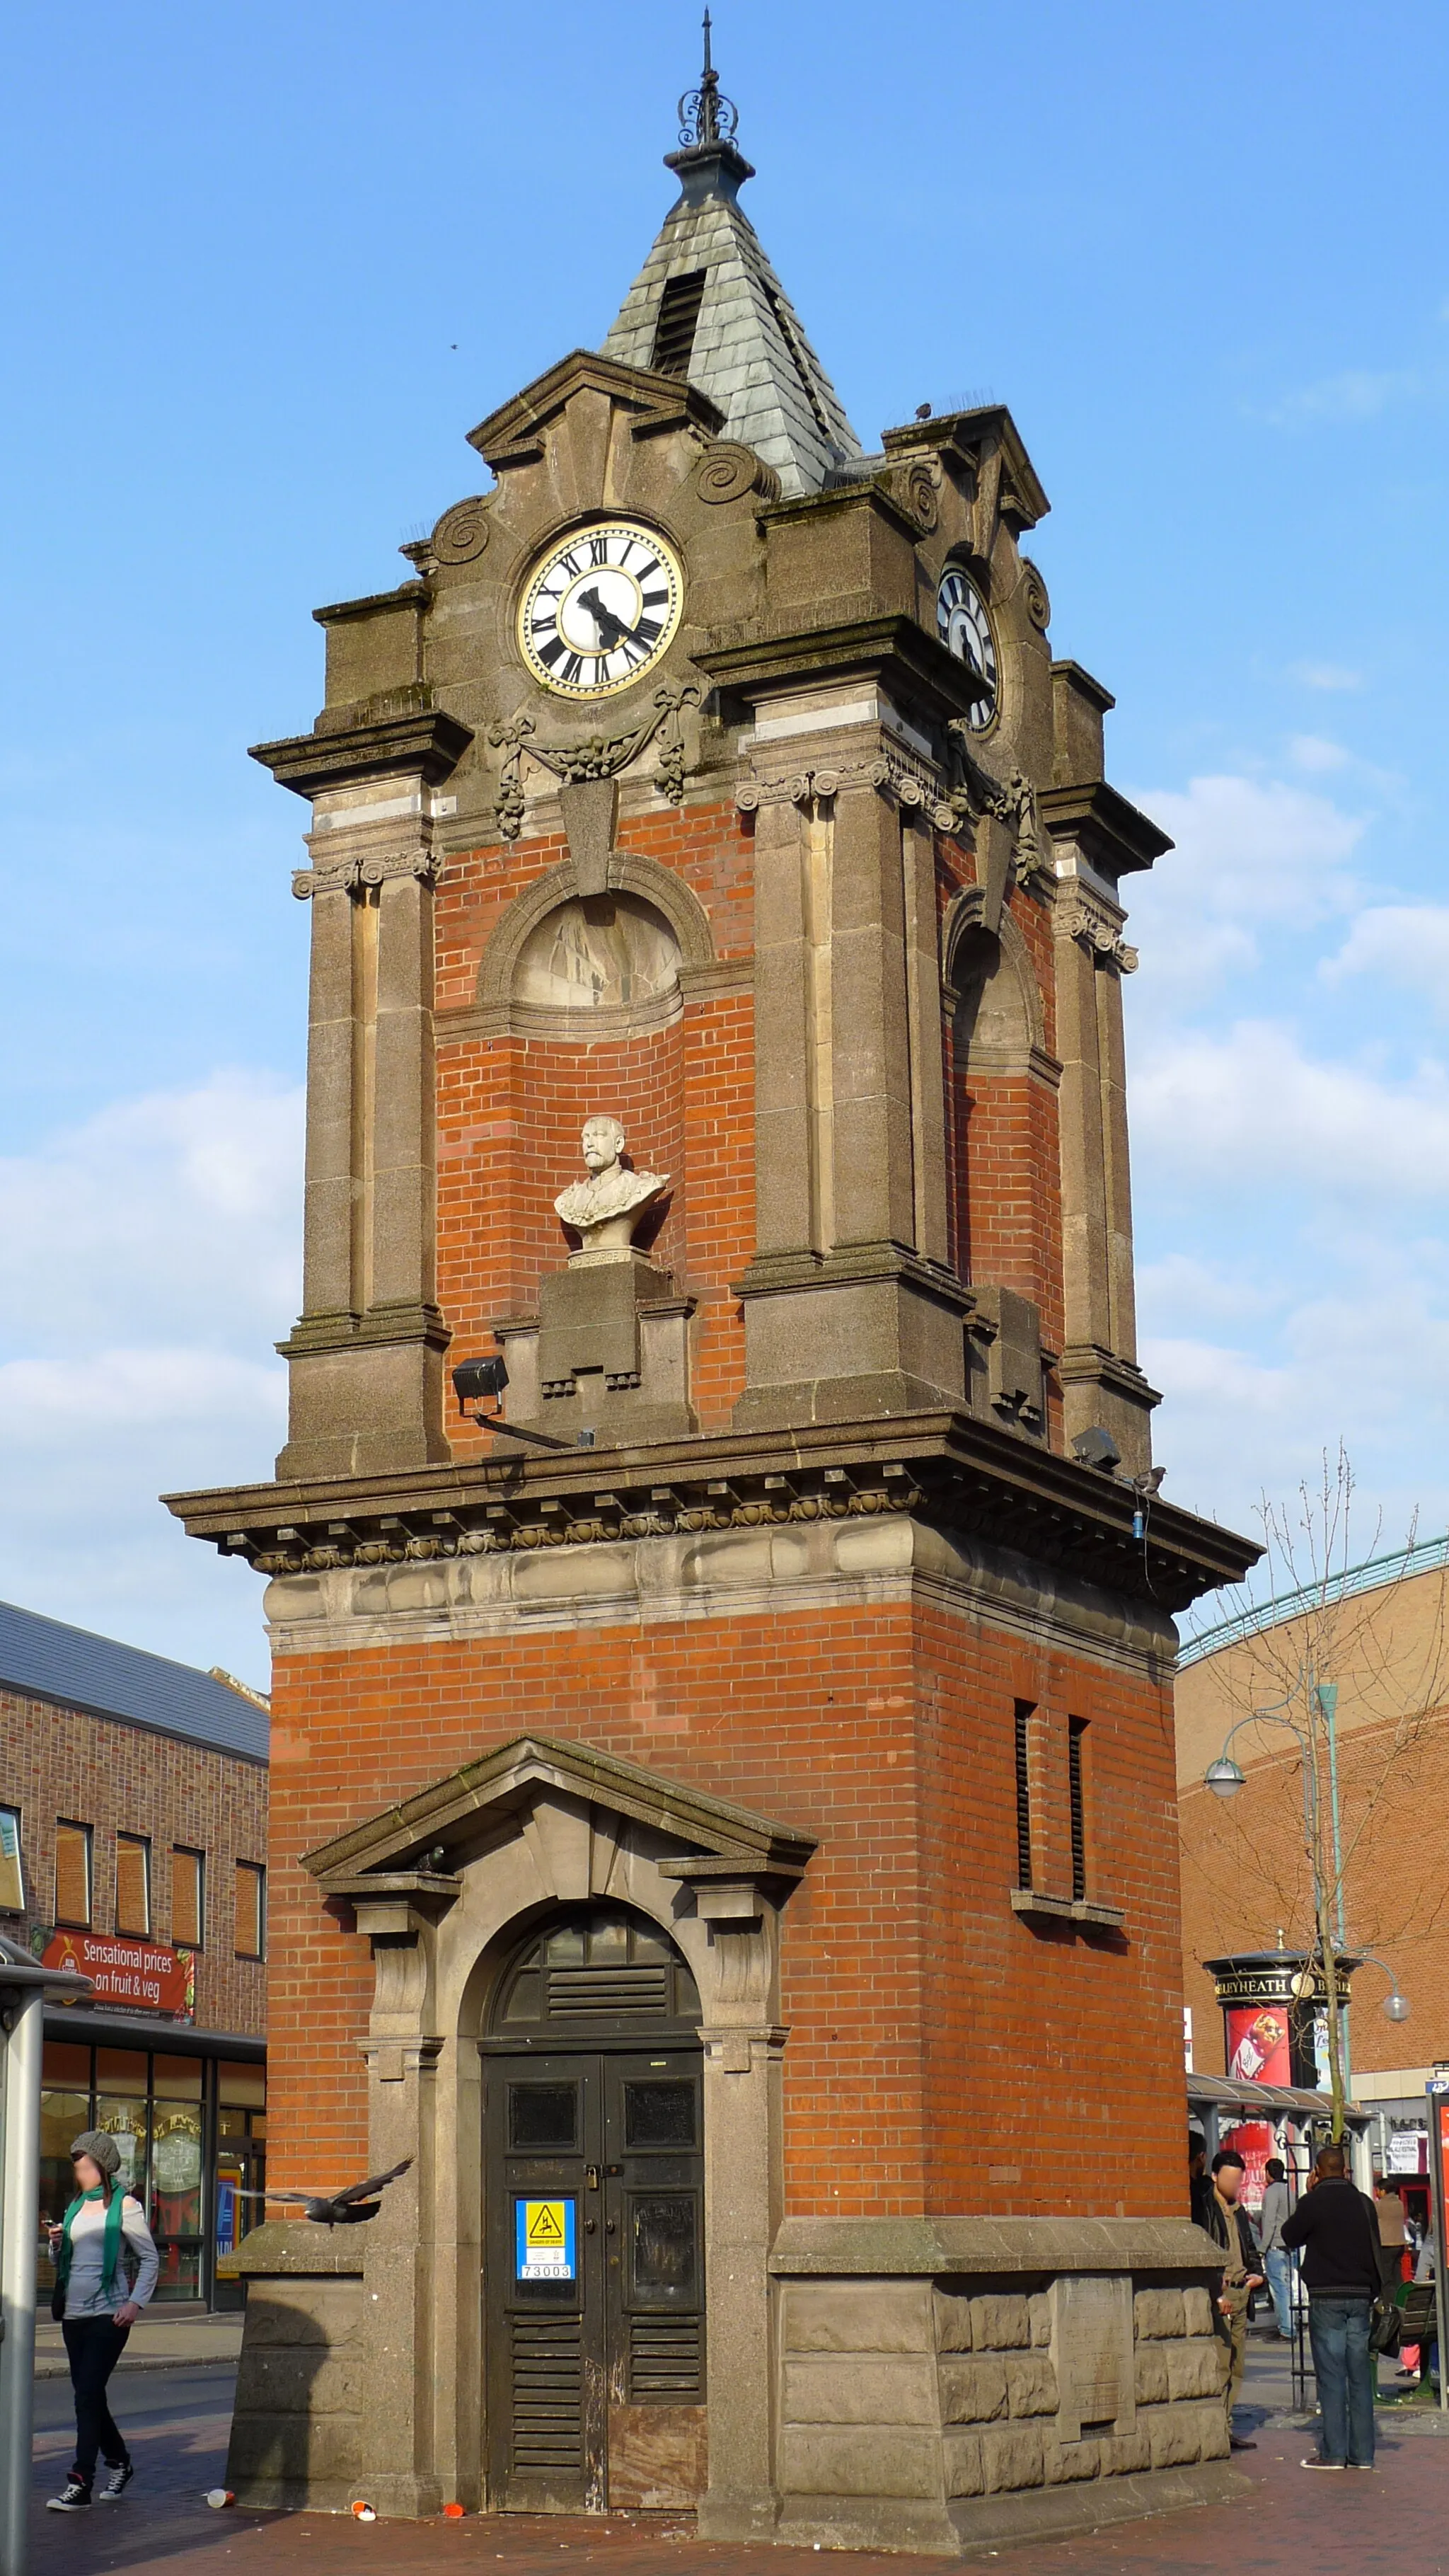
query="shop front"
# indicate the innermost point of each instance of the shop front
(187, 2109)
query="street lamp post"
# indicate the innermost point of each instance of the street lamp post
(1225, 1778)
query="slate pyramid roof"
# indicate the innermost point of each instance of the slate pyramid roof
(747, 348)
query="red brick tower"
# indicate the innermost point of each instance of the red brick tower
(723, 1815)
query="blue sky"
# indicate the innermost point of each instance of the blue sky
(267, 266)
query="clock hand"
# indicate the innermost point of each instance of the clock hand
(604, 618)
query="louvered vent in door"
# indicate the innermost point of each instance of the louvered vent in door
(548, 2380)
(598, 1992)
(664, 2361)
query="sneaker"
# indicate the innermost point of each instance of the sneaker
(1316, 2463)
(1368, 2466)
(117, 2483)
(73, 2498)
(1240, 2442)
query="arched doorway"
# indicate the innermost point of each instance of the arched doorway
(594, 2220)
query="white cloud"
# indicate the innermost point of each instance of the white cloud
(1403, 943)
(1325, 675)
(1312, 751)
(1248, 853)
(177, 1215)
(148, 1260)
(1250, 1107)
(1365, 1359)
(1357, 393)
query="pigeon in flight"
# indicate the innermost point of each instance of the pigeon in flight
(336, 2208)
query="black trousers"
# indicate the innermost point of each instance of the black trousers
(95, 2345)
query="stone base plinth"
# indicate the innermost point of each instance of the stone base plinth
(947, 2384)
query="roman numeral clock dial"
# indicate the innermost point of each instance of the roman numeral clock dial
(600, 609)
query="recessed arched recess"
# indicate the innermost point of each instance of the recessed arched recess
(611, 963)
(1003, 1104)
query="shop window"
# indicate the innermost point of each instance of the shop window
(176, 2166)
(251, 1910)
(12, 1879)
(73, 1876)
(188, 1898)
(133, 1885)
(65, 2110)
(1077, 1797)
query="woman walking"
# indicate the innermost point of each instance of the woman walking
(105, 2271)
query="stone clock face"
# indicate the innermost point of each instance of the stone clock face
(600, 609)
(965, 628)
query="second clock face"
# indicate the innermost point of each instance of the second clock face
(963, 626)
(600, 609)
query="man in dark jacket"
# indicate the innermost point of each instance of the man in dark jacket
(1226, 2219)
(1338, 2230)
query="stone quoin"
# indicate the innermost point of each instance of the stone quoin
(723, 1824)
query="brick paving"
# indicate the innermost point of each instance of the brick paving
(1395, 2523)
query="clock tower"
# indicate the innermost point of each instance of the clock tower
(723, 1812)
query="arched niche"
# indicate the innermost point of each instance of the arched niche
(611, 963)
(992, 994)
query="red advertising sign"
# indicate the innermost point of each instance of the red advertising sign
(1255, 2142)
(144, 1974)
(1258, 2044)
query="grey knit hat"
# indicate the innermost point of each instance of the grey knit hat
(100, 2146)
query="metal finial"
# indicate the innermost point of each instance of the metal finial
(705, 114)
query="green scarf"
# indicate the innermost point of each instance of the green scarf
(112, 2250)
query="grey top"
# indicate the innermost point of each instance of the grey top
(750, 353)
(136, 2269)
(1271, 2217)
(73, 1668)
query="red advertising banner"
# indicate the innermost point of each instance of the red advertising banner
(1258, 2044)
(1255, 2142)
(144, 1974)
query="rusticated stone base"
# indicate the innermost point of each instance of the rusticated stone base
(297, 2419)
(931, 2407)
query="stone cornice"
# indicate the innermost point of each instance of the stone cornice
(428, 745)
(943, 1467)
(1115, 836)
(894, 650)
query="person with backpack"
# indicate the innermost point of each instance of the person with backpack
(1336, 2226)
(105, 2271)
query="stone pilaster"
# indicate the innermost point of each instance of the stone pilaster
(366, 1354)
(849, 1306)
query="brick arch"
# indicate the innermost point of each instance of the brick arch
(629, 873)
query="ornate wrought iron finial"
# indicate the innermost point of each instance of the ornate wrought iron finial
(705, 114)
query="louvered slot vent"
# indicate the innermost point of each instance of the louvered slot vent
(548, 2428)
(585, 1992)
(677, 323)
(664, 2361)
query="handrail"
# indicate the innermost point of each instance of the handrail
(1375, 1571)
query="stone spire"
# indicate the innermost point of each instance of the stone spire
(707, 305)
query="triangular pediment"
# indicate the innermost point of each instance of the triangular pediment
(707, 1837)
(513, 435)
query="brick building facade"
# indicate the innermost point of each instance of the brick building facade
(723, 1814)
(133, 1846)
(1246, 1882)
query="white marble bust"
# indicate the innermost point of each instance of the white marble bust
(605, 1208)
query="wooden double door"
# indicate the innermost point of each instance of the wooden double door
(594, 2279)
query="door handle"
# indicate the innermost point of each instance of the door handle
(591, 2177)
(609, 2228)
(590, 2225)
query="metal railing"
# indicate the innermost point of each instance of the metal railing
(1375, 1571)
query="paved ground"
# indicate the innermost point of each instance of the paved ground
(1395, 2523)
(165, 2339)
